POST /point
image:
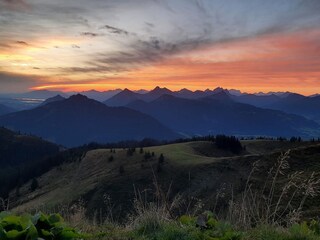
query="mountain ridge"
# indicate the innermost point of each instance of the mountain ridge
(79, 120)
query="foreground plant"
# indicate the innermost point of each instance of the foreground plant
(38, 226)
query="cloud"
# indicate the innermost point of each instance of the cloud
(11, 83)
(22, 43)
(93, 68)
(145, 52)
(115, 30)
(136, 37)
(90, 34)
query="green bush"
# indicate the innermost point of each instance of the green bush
(38, 226)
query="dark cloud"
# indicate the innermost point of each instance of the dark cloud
(90, 34)
(22, 43)
(93, 68)
(115, 30)
(141, 53)
(75, 46)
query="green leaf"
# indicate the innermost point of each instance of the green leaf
(14, 234)
(32, 233)
(55, 218)
(69, 234)
(46, 234)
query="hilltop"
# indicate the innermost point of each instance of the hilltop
(196, 168)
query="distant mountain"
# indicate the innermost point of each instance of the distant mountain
(185, 93)
(100, 96)
(220, 114)
(126, 96)
(123, 98)
(79, 120)
(156, 93)
(235, 92)
(258, 101)
(141, 91)
(271, 93)
(5, 110)
(308, 107)
(53, 99)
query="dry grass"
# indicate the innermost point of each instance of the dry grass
(281, 199)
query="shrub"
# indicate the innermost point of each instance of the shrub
(228, 143)
(38, 226)
(34, 185)
(110, 159)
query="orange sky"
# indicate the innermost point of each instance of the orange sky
(80, 45)
(275, 62)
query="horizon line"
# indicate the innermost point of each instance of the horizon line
(150, 89)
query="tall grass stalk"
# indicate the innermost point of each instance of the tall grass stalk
(279, 202)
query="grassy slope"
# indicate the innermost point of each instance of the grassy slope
(197, 167)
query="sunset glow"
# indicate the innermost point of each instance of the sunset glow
(93, 50)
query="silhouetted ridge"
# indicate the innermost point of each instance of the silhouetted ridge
(56, 98)
(78, 98)
(79, 120)
(219, 114)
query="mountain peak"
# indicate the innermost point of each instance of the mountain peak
(56, 98)
(218, 90)
(160, 90)
(185, 90)
(78, 97)
(126, 90)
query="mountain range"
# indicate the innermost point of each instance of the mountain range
(220, 114)
(165, 114)
(79, 120)
(293, 103)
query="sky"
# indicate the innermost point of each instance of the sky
(77, 45)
